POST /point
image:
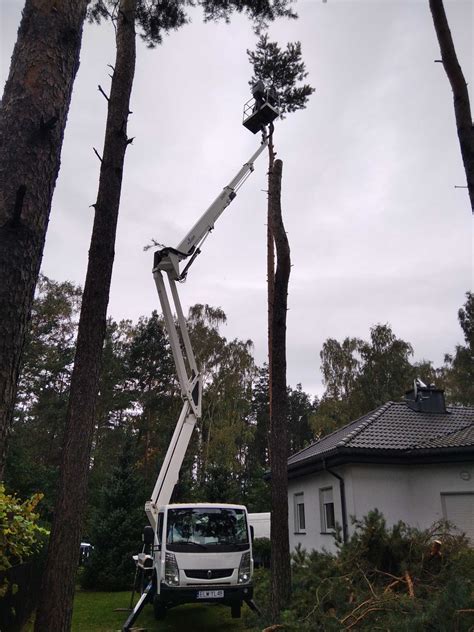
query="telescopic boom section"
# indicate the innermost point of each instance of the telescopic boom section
(167, 261)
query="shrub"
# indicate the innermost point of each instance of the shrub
(261, 552)
(20, 535)
(22, 544)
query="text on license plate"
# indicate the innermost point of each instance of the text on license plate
(210, 594)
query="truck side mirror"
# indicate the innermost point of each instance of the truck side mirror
(252, 532)
(148, 536)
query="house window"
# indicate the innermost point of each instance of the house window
(328, 521)
(300, 522)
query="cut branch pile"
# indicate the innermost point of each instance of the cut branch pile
(385, 579)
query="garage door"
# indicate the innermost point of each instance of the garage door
(459, 509)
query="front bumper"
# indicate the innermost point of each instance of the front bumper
(170, 597)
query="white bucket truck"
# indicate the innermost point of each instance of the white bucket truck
(195, 552)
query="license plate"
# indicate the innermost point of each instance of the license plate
(210, 594)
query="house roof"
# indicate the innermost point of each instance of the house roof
(393, 429)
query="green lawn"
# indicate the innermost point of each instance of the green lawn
(96, 612)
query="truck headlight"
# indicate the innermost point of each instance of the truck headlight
(171, 570)
(244, 569)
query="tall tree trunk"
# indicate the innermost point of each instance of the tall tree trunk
(55, 610)
(33, 117)
(462, 107)
(270, 264)
(280, 555)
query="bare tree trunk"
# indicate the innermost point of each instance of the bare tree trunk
(462, 107)
(33, 117)
(280, 552)
(55, 610)
(270, 265)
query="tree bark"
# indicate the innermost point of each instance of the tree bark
(270, 265)
(55, 609)
(33, 117)
(280, 552)
(462, 107)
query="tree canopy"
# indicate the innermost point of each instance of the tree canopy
(156, 19)
(283, 70)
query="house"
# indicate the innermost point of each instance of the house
(413, 460)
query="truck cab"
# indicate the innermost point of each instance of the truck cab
(202, 553)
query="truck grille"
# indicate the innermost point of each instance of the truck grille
(215, 573)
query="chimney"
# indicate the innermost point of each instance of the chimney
(425, 399)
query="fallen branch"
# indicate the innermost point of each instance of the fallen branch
(400, 579)
(368, 583)
(351, 614)
(409, 581)
(362, 616)
(464, 610)
(390, 586)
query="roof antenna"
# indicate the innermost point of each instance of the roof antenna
(417, 383)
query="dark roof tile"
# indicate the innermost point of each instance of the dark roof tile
(396, 427)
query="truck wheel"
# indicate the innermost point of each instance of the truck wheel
(235, 609)
(159, 610)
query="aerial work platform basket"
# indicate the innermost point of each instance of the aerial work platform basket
(261, 109)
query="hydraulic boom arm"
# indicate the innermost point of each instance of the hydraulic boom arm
(167, 260)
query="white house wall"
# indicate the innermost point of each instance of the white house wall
(431, 482)
(409, 493)
(310, 486)
(386, 488)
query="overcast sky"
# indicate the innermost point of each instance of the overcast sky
(378, 232)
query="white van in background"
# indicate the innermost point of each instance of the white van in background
(260, 523)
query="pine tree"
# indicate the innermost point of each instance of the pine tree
(33, 113)
(281, 70)
(462, 106)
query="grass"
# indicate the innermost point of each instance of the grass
(97, 612)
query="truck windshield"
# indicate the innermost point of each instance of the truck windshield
(204, 528)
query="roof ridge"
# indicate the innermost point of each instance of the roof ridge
(370, 418)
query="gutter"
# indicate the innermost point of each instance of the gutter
(342, 491)
(410, 456)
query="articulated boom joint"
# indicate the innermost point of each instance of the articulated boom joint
(193, 395)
